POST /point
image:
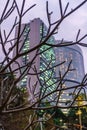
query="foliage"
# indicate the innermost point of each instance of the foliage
(73, 117)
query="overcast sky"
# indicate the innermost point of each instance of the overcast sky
(68, 28)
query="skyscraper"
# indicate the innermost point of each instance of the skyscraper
(33, 32)
(70, 54)
(73, 74)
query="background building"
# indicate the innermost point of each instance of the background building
(74, 55)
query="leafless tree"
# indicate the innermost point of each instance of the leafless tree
(9, 83)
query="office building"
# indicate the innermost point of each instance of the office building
(33, 32)
(73, 74)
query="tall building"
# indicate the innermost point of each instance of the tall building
(33, 32)
(75, 73)
(74, 54)
(44, 59)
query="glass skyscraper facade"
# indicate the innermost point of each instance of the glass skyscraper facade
(47, 58)
(73, 74)
(35, 31)
(74, 55)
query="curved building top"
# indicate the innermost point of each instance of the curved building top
(68, 53)
(75, 46)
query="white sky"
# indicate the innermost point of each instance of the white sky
(68, 28)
